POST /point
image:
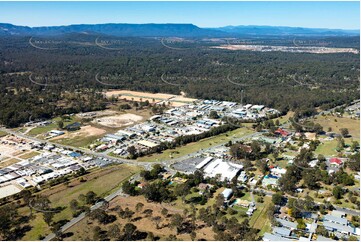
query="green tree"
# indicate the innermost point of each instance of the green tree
(114, 232)
(176, 222)
(337, 192)
(344, 132)
(60, 124)
(277, 198)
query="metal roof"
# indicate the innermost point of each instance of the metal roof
(339, 227)
(282, 231)
(273, 237)
(286, 223)
(338, 220)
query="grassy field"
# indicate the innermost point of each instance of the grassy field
(285, 118)
(84, 229)
(102, 182)
(2, 133)
(9, 162)
(79, 141)
(336, 124)
(259, 219)
(29, 155)
(327, 148)
(196, 146)
(42, 130)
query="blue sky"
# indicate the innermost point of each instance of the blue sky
(344, 15)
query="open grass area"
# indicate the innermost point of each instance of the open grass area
(285, 118)
(196, 146)
(42, 130)
(29, 155)
(327, 148)
(102, 182)
(84, 229)
(9, 162)
(2, 133)
(39, 227)
(335, 123)
(259, 219)
(79, 141)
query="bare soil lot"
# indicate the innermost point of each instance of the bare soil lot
(83, 132)
(126, 93)
(118, 121)
(175, 100)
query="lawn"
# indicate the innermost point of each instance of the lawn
(2, 133)
(197, 146)
(327, 148)
(282, 163)
(102, 182)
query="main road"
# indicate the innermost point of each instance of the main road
(167, 163)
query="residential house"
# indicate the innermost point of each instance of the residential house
(284, 232)
(273, 237)
(287, 224)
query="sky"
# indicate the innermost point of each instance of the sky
(335, 15)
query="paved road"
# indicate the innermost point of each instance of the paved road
(84, 151)
(345, 210)
(76, 220)
(146, 165)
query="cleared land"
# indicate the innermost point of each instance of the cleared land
(44, 129)
(9, 162)
(81, 138)
(102, 182)
(175, 100)
(328, 147)
(8, 190)
(29, 155)
(297, 49)
(118, 121)
(336, 123)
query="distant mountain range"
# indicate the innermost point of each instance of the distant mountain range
(280, 30)
(170, 30)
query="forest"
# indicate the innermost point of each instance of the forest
(43, 77)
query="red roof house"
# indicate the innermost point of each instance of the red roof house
(282, 132)
(335, 161)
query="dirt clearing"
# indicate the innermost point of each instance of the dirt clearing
(118, 121)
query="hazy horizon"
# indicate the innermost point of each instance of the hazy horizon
(329, 15)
